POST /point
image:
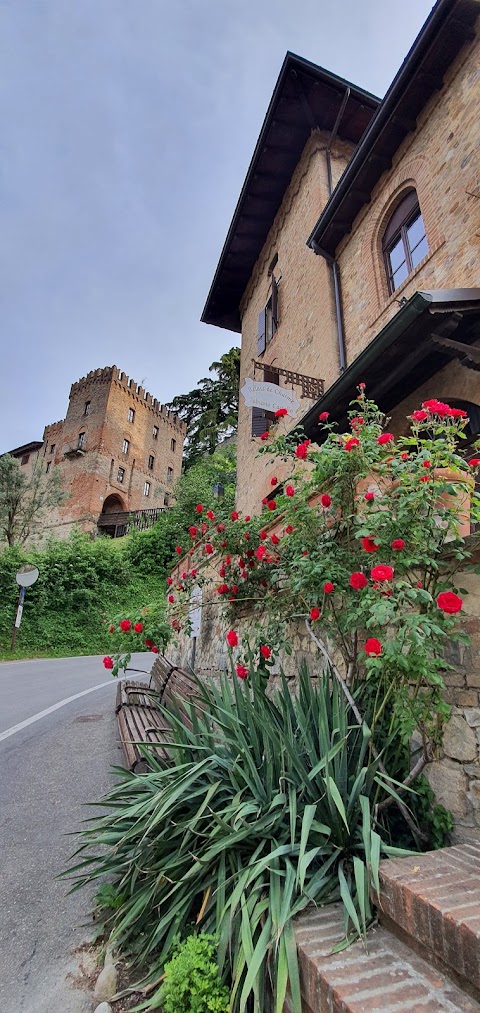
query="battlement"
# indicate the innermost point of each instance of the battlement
(52, 428)
(107, 374)
(102, 374)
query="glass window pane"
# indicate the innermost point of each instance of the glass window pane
(400, 275)
(420, 251)
(397, 255)
(415, 232)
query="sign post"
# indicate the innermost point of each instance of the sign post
(25, 577)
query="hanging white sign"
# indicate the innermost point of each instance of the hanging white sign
(270, 396)
(195, 611)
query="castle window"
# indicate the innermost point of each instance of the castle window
(88, 405)
(52, 448)
(25, 459)
(125, 446)
(173, 446)
(49, 465)
(81, 441)
(169, 474)
(120, 475)
(151, 462)
(131, 415)
(146, 489)
(155, 432)
(404, 241)
(268, 320)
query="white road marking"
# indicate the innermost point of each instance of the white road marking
(49, 710)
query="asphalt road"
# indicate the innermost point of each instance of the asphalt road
(53, 760)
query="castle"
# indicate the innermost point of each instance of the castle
(119, 451)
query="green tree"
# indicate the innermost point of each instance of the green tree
(25, 500)
(211, 409)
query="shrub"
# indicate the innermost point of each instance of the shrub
(266, 806)
(192, 981)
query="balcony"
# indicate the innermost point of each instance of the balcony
(116, 524)
(73, 450)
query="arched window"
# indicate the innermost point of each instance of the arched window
(404, 241)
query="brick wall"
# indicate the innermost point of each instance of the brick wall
(306, 337)
(441, 160)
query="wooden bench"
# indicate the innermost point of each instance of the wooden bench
(140, 720)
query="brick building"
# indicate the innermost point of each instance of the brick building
(357, 237)
(119, 451)
(354, 255)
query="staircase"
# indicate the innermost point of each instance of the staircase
(424, 955)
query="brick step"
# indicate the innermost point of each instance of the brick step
(387, 977)
(434, 900)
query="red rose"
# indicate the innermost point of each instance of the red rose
(210, 515)
(280, 412)
(265, 651)
(184, 575)
(265, 435)
(169, 581)
(232, 638)
(369, 496)
(234, 516)
(302, 450)
(358, 580)
(260, 552)
(328, 587)
(247, 536)
(247, 518)
(315, 613)
(362, 386)
(424, 478)
(273, 480)
(289, 529)
(176, 626)
(193, 573)
(111, 629)
(449, 602)
(474, 462)
(457, 413)
(275, 540)
(222, 589)
(325, 500)
(179, 550)
(437, 407)
(427, 464)
(148, 643)
(242, 672)
(385, 438)
(323, 416)
(398, 544)
(419, 416)
(199, 508)
(138, 627)
(271, 504)
(373, 647)
(108, 662)
(381, 572)
(290, 491)
(192, 531)
(204, 527)
(355, 423)
(125, 625)
(209, 549)
(227, 560)
(171, 598)
(262, 536)
(264, 501)
(220, 528)
(369, 544)
(350, 444)
(405, 456)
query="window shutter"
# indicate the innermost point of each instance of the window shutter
(261, 341)
(270, 377)
(274, 304)
(259, 423)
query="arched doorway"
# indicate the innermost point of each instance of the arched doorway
(113, 518)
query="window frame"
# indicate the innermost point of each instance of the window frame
(169, 473)
(87, 408)
(173, 445)
(268, 319)
(411, 213)
(81, 440)
(155, 433)
(52, 448)
(120, 475)
(146, 488)
(131, 416)
(126, 448)
(151, 462)
(47, 469)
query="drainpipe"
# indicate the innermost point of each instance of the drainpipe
(337, 291)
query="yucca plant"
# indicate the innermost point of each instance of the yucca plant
(264, 809)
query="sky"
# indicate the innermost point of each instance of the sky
(126, 129)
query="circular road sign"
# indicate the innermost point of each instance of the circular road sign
(27, 575)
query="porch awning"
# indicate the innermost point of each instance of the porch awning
(427, 333)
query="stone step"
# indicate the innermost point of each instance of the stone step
(434, 900)
(386, 977)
